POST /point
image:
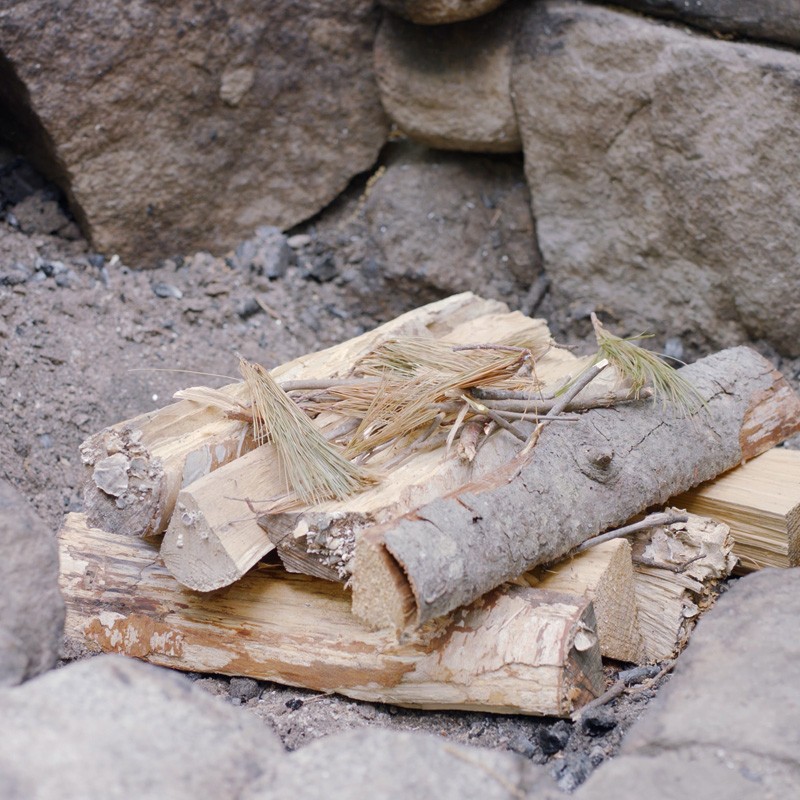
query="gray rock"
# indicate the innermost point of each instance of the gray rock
(31, 607)
(553, 738)
(244, 689)
(442, 223)
(683, 774)
(40, 213)
(181, 127)
(736, 686)
(379, 764)
(771, 20)
(449, 87)
(728, 723)
(437, 12)
(111, 727)
(667, 201)
(15, 275)
(267, 253)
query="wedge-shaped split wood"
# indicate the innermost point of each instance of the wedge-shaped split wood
(676, 571)
(137, 467)
(579, 480)
(760, 500)
(517, 650)
(604, 574)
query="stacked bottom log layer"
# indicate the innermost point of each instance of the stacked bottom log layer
(516, 650)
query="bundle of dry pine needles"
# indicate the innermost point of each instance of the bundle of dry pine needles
(413, 392)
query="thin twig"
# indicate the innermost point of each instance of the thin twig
(645, 677)
(510, 348)
(678, 569)
(485, 393)
(581, 382)
(310, 384)
(652, 521)
(532, 416)
(495, 417)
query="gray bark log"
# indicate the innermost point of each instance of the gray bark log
(579, 480)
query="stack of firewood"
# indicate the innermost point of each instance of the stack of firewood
(463, 572)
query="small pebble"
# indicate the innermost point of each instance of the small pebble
(294, 704)
(572, 772)
(249, 308)
(244, 689)
(554, 738)
(323, 269)
(598, 721)
(166, 290)
(521, 744)
(299, 240)
(597, 755)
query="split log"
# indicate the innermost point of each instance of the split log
(579, 480)
(519, 650)
(604, 574)
(137, 467)
(214, 537)
(672, 588)
(760, 500)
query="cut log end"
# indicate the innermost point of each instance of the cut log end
(382, 597)
(604, 574)
(772, 417)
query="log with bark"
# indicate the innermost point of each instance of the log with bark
(137, 467)
(517, 650)
(760, 500)
(579, 480)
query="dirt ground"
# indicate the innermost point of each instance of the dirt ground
(86, 341)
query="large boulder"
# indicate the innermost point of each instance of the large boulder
(436, 223)
(31, 606)
(663, 168)
(183, 126)
(771, 20)
(450, 86)
(728, 723)
(115, 728)
(398, 765)
(437, 12)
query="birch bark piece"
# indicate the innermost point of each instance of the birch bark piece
(579, 480)
(154, 455)
(519, 650)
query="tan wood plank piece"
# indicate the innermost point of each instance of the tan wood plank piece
(760, 500)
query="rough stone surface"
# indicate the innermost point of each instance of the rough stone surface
(438, 223)
(728, 724)
(31, 607)
(686, 773)
(437, 12)
(661, 165)
(449, 86)
(770, 20)
(184, 126)
(115, 728)
(393, 765)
